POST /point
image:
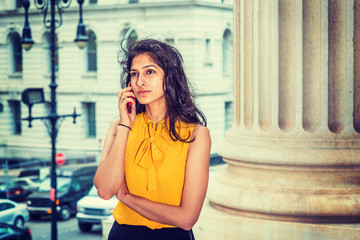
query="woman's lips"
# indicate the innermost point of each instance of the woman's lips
(143, 92)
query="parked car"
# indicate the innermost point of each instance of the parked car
(13, 213)
(35, 173)
(11, 232)
(91, 210)
(29, 184)
(13, 192)
(73, 182)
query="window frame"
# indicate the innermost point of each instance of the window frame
(90, 111)
(15, 53)
(18, 4)
(128, 37)
(208, 53)
(229, 115)
(91, 54)
(15, 106)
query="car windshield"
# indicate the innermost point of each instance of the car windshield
(10, 185)
(61, 185)
(36, 180)
(14, 184)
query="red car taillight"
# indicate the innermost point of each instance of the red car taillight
(15, 191)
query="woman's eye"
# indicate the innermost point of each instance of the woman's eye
(133, 74)
(150, 71)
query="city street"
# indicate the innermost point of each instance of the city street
(69, 229)
(66, 230)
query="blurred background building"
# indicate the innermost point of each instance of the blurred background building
(89, 79)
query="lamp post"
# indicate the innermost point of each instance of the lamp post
(32, 96)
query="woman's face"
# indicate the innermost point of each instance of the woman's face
(147, 80)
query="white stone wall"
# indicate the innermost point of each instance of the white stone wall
(188, 23)
(11, 4)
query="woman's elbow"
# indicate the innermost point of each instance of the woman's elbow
(103, 193)
(188, 223)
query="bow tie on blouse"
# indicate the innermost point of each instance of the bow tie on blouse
(151, 152)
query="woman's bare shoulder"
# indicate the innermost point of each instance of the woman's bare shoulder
(200, 131)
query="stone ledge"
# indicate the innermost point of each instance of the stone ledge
(214, 224)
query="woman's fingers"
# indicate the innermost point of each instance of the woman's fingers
(125, 97)
(126, 93)
(125, 101)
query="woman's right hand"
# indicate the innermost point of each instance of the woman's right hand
(126, 96)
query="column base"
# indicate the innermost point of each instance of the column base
(287, 193)
(215, 224)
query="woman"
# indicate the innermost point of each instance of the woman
(155, 157)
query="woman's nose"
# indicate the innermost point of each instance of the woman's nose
(141, 80)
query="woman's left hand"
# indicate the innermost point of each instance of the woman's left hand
(123, 191)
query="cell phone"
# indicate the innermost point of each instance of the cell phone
(129, 105)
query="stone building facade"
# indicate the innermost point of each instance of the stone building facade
(88, 79)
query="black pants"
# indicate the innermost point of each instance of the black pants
(129, 232)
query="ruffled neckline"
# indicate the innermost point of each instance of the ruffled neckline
(149, 121)
(151, 150)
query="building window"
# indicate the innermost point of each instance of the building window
(18, 3)
(93, 1)
(129, 36)
(15, 107)
(226, 50)
(15, 52)
(90, 113)
(133, 1)
(47, 52)
(207, 51)
(229, 112)
(91, 53)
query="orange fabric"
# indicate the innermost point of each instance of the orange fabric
(154, 167)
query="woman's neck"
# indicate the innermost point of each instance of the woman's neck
(155, 113)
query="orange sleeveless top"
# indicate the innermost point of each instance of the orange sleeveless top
(154, 167)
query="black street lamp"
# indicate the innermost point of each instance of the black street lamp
(32, 96)
(81, 39)
(26, 40)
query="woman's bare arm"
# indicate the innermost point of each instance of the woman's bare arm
(195, 186)
(110, 172)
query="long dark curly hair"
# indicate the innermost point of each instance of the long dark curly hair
(177, 88)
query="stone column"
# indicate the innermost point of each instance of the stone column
(293, 153)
